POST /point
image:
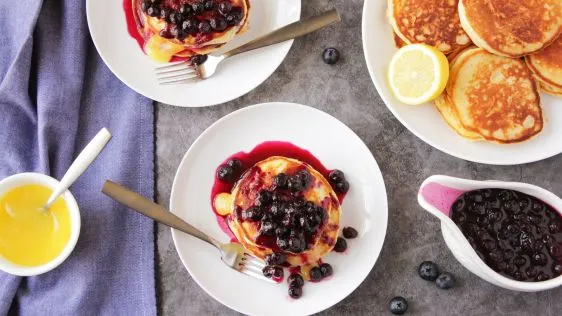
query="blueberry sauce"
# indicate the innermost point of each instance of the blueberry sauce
(516, 234)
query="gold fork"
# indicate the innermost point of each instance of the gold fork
(232, 254)
(187, 72)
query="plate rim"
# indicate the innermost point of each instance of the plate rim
(368, 54)
(286, 47)
(240, 111)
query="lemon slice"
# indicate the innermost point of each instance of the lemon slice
(418, 73)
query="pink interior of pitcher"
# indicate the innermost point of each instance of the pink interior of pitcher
(440, 196)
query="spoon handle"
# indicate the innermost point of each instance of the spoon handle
(154, 211)
(80, 164)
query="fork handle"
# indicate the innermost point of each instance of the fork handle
(153, 211)
(288, 32)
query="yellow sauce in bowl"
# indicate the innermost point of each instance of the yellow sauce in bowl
(30, 236)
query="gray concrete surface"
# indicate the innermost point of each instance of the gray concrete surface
(345, 91)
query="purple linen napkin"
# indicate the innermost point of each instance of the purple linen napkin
(55, 95)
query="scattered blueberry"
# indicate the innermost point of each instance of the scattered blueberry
(295, 292)
(275, 258)
(145, 5)
(282, 243)
(267, 228)
(185, 9)
(235, 164)
(165, 14)
(428, 271)
(264, 197)
(315, 274)
(153, 11)
(342, 187)
(199, 60)
(350, 233)
(445, 281)
(326, 270)
(398, 305)
(336, 176)
(295, 184)
(232, 19)
(252, 214)
(341, 245)
(189, 26)
(331, 56)
(224, 173)
(295, 280)
(197, 7)
(297, 243)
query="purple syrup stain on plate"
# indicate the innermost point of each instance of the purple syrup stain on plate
(440, 196)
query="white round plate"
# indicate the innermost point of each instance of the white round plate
(336, 146)
(425, 121)
(235, 77)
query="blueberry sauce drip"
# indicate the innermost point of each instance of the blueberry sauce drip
(516, 235)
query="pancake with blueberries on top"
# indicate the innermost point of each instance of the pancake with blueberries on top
(185, 28)
(283, 205)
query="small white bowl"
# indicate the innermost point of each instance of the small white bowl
(460, 247)
(21, 179)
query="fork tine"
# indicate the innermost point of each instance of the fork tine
(176, 75)
(172, 65)
(171, 70)
(256, 275)
(180, 81)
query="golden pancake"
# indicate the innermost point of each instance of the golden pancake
(511, 28)
(316, 199)
(546, 65)
(431, 22)
(495, 96)
(166, 37)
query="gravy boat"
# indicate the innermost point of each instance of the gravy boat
(438, 193)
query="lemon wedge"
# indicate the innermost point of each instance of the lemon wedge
(418, 73)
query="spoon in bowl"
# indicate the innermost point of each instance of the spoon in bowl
(80, 164)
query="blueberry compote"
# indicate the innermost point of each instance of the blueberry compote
(516, 234)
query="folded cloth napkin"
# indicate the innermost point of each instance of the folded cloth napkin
(55, 95)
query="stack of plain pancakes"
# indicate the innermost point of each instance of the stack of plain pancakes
(501, 53)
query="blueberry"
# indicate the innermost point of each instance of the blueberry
(165, 14)
(282, 232)
(398, 305)
(295, 280)
(155, 1)
(282, 243)
(350, 233)
(297, 243)
(341, 187)
(445, 281)
(315, 274)
(218, 23)
(204, 27)
(539, 259)
(209, 5)
(313, 221)
(225, 8)
(264, 197)
(341, 245)
(304, 176)
(199, 60)
(428, 271)
(277, 209)
(295, 292)
(336, 176)
(197, 7)
(267, 228)
(295, 184)
(326, 270)
(275, 258)
(557, 269)
(235, 164)
(176, 18)
(252, 214)
(273, 272)
(281, 180)
(185, 10)
(542, 277)
(153, 11)
(232, 19)
(331, 56)
(145, 5)
(224, 173)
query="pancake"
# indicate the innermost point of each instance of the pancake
(317, 196)
(546, 65)
(166, 37)
(495, 96)
(431, 22)
(511, 28)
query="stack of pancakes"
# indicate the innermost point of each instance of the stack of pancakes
(164, 48)
(500, 51)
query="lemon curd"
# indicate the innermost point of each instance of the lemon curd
(30, 236)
